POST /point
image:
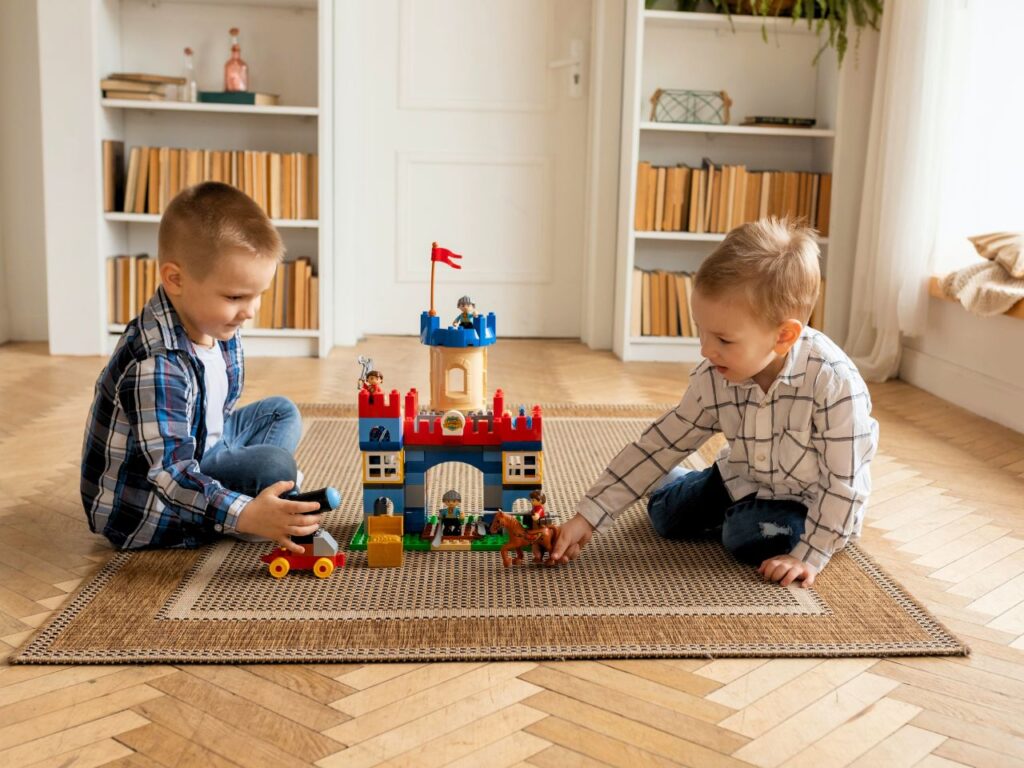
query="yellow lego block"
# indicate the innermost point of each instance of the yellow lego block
(384, 541)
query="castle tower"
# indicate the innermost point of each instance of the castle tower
(458, 362)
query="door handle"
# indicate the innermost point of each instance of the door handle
(574, 64)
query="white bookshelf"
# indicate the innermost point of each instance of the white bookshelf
(286, 44)
(667, 49)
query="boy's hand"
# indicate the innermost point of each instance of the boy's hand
(277, 519)
(572, 537)
(786, 569)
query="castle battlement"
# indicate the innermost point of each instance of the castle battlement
(434, 334)
(383, 406)
(494, 427)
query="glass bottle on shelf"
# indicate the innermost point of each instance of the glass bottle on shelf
(236, 71)
(188, 91)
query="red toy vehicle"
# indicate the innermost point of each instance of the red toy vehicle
(320, 551)
(321, 556)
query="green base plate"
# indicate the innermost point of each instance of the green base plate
(413, 542)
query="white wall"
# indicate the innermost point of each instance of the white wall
(22, 241)
(972, 361)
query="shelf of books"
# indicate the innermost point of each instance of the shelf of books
(684, 185)
(168, 120)
(289, 308)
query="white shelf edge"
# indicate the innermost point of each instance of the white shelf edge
(695, 237)
(184, 106)
(741, 130)
(783, 25)
(154, 218)
(255, 333)
(672, 341)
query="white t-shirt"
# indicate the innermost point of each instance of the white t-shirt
(216, 380)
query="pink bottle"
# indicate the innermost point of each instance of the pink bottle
(236, 71)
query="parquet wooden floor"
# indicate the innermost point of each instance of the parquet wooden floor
(946, 519)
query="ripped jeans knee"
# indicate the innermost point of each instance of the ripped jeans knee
(757, 529)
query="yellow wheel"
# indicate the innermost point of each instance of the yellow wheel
(323, 568)
(279, 567)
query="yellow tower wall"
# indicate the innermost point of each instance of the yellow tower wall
(458, 378)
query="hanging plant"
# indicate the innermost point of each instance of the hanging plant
(837, 14)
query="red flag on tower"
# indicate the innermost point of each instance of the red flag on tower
(437, 253)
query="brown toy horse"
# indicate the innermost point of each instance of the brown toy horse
(540, 539)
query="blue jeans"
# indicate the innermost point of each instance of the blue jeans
(697, 505)
(257, 448)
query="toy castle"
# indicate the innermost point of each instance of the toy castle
(400, 442)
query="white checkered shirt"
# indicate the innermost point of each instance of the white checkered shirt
(809, 439)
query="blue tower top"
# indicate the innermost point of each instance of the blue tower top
(482, 334)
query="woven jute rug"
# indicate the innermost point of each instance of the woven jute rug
(631, 594)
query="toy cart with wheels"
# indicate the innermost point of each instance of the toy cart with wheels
(320, 551)
(321, 556)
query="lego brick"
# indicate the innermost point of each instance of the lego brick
(535, 446)
(374, 433)
(378, 405)
(415, 495)
(510, 496)
(384, 541)
(482, 334)
(492, 495)
(415, 519)
(395, 495)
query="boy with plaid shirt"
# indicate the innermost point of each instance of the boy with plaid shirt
(791, 486)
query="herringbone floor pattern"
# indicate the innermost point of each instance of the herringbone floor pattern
(946, 519)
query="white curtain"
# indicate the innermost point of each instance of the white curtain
(916, 100)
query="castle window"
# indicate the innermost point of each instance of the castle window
(456, 381)
(522, 467)
(382, 467)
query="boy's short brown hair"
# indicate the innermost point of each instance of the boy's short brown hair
(772, 262)
(210, 219)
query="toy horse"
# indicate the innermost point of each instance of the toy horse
(540, 539)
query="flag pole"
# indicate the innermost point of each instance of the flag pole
(433, 266)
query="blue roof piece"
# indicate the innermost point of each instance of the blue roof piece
(482, 334)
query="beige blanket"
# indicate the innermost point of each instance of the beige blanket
(993, 286)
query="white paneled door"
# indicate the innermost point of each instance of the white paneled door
(476, 139)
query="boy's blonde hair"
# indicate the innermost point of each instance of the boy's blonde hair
(209, 219)
(773, 263)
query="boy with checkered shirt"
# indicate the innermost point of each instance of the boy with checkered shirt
(167, 459)
(791, 486)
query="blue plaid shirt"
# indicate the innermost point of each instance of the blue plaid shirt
(141, 482)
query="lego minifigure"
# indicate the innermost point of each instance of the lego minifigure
(537, 515)
(451, 513)
(467, 312)
(373, 381)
